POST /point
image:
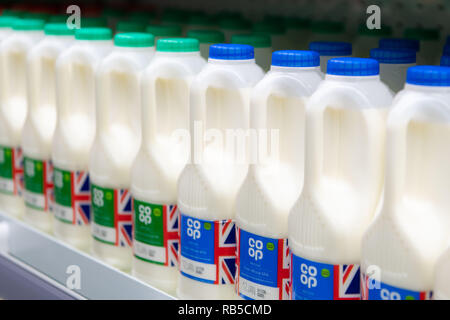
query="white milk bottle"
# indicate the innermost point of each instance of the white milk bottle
(13, 109)
(37, 133)
(401, 247)
(165, 111)
(116, 144)
(6, 24)
(74, 134)
(329, 50)
(261, 44)
(207, 188)
(274, 182)
(344, 175)
(441, 289)
(206, 38)
(393, 65)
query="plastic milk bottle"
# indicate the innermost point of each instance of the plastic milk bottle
(6, 24)
(414, 222)
(13, 109)
(74, 134)
(207, 188)
(37, 133)
(162, 157)
(273, 184)
(116, 144)
(261, 44)
(344, 176)
(393, 65)
(329, 50)
(441, 289)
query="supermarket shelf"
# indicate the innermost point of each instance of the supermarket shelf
(41, 261)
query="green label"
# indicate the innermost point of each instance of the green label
(103, 205)
(149, 223)
(62, 187)
(6, 165)
(34, 175)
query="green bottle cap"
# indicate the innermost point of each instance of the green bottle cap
(93, 33)
(58, 29)
(12, 13)
(160, 30)
(28, 24)
(256, 40)
(385, 31)
(422, 34)
(269, 28)
(207, 36)
(7, 21)
(134, 40)
(177, 45)
(130, 26)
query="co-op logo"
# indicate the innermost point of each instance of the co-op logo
(145, 214)
(255, 249)
(308, 276)
(193, 229)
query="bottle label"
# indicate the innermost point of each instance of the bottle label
(208, 250)
(72, 197)
(377, 290)
(112, 221)
(11, 171)
(38, 193)
(156, 233)
(262, 267)
(320, 281)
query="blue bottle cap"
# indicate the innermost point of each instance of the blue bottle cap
(228, 51)
(399, 43)
(393, 56)
(432, 76)
(446, 51)
(331, 48)
(295, 58)
(445, 61)
(355, 67)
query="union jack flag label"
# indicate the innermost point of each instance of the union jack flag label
(38, 184)
(72, 197)
(11, 171)
(112, 220)
(208, 250)
(156, 233)
(262, 267)
(320, 281)
(372, 289)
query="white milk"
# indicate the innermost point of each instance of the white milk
(207, 188)
(6, 24)
(400, 249)
(393, 65)
(441, 289)
(37, 133)
(206, 38)
(165, 112)
(116, 144)
(74, 134)
(329, 50)
(275, 177)
(344, 175)
(261, 44)
(13, 109)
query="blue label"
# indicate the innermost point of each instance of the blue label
(263, 267)
(320, 281)
(376, 290)
(208, 250)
